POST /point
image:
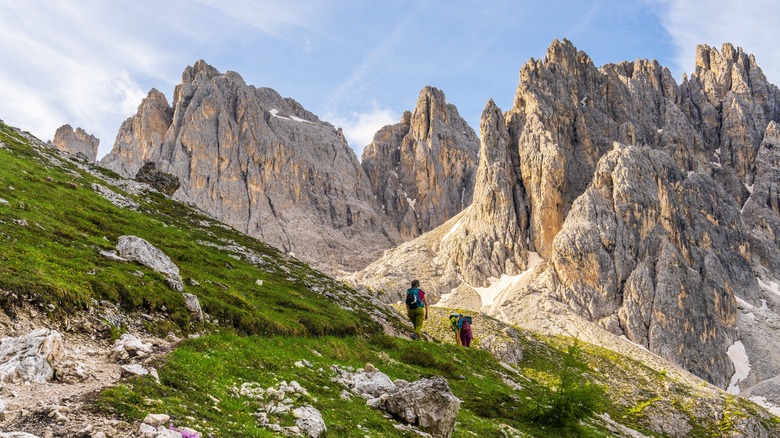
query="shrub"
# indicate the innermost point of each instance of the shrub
(575, 398)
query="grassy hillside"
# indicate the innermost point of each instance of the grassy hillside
(53, 227)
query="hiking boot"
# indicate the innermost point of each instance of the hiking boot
(414, 336)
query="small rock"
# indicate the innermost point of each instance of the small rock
(156, 419)
(259, 282)
(134, 370)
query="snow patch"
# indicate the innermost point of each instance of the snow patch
(739, 357)
(507, 282)
(770, 287)
(452, 230)
(660, 131)
(749, 188)
(690, 172)
(769, 406)
(744, 303)
(275, 112)
(412, 202)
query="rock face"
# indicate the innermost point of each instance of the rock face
(422, 169)
(76, 142)
(262, 164)
(140, 137)
(656, 255)
(489, 240)
(761, 212)
(30, 358)
(483, 241)
(655, 238)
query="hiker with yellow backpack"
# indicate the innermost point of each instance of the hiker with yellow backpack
(461, 326)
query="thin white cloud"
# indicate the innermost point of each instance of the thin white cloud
(750, 24)
(371, 64)
(89, 62)
(269, 16)
(307, 45)
(359, 128)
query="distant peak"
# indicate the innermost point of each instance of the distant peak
(200, 67)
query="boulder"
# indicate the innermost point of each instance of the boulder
(193, 306)
(309, 421)
(139, 250)
(161, 181)
(426, 403)
(31, 357)
(128, 346)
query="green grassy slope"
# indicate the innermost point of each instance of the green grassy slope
(53, 226)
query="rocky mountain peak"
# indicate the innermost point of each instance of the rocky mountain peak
(77, 142)
(431, 108)
(140, 138)
(422, 169)
(489, 239)
(564, 54)
(200, 68)
(262, 164)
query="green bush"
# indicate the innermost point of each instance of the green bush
(575, 397)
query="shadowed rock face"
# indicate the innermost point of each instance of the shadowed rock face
(76, 142)
(422, 169)
(261, 163)
(656, 255)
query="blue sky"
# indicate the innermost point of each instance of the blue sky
(355, 63)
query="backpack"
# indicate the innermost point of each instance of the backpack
(454, 318)
(413, 300)
(465, 323)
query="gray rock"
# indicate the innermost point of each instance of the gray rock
(426, 403)
(422, 169)
(163, 182)
(127, 346)
(193, 306)
(134, 370)
(113, 197)
(76, 142)
(156, 420)
(309, 421)
(17, 435)
(139, 250)
(31, 357)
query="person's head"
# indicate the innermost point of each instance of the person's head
(415, 283)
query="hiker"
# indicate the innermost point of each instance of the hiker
(464, 329)
(416, 308)
(454, 319)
